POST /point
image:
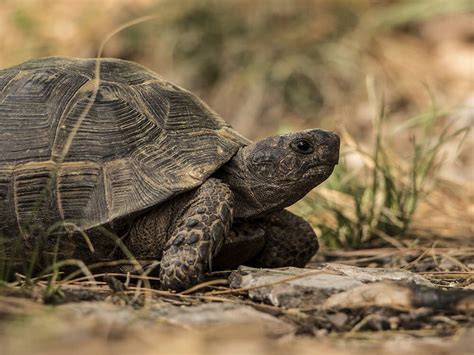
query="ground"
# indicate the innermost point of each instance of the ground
(333, 307)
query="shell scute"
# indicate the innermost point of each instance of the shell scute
(142, 141)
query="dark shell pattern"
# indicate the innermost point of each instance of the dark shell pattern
(142, 141)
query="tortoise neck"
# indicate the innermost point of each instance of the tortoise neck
(252, 197)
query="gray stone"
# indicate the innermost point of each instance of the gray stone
(293, 287)
(200, 316)
(370, 274)
(382, 294)
(223, 314)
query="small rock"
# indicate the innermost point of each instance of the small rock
(290, 287)
(370, 274)
(382, 294)
(223, 314)
(293, 287)
(405, 296)
(338, 319)
(447, 264)
(201, 316)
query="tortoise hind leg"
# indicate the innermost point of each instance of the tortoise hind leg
(243, 243)
(289, 241)
(197, 236)
(276, 240)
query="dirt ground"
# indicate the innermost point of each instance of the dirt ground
(392, 310)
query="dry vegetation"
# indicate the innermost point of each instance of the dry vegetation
(395, 78)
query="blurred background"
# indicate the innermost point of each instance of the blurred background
(393, 77)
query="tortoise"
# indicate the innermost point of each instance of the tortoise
(147, 160)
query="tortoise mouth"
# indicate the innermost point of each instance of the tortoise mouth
(329, 162)
(319, 172)
(332, 164)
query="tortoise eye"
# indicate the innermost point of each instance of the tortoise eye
(302, 146)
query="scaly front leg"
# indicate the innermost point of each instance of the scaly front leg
(197, 237)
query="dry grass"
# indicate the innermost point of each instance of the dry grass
(123, 323)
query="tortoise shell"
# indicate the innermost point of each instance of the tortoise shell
(142, 141)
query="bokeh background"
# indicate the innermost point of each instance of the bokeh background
(275, 66)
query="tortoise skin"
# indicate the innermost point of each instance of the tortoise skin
(143, 141)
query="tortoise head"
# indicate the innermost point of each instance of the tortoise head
(277, 171)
